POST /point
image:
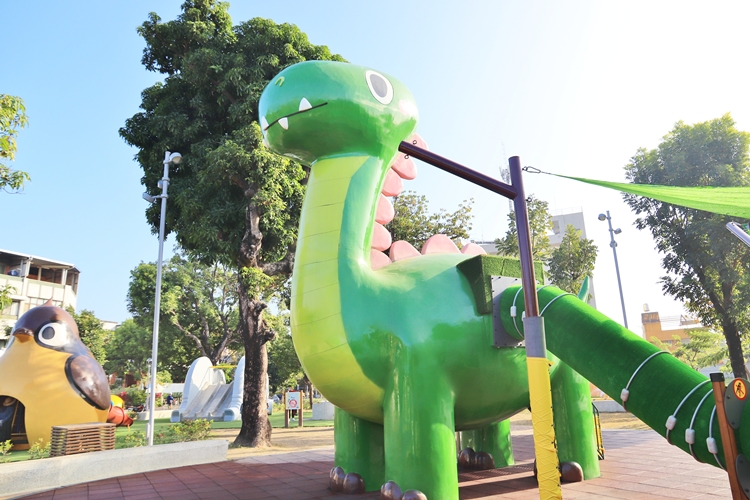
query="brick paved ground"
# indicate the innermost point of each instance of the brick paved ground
(637, 465)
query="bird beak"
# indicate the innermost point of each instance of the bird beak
(23, 334)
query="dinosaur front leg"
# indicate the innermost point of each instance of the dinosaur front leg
(574, 422)
(420, 446)
(359, 451)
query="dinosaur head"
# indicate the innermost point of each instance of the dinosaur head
(319, 109)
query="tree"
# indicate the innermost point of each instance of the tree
(706, 266)
(703, 349)
(572, 261)
(284, 368)
(197, 300)
(540, 224)
(12, 119)
(231, 200)
(5, 296)
(92, 334)
(414, 223)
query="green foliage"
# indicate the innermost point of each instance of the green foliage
(199, 308)
(706, 266)
(132, 439)
(5, 299)
(540, 224)
(129, 349)
(135, 396)
(92, 334)
(12, 119)
(284, 368)
(37, 450)
(413, 222)
(703, 349)
(230, 199)
(5, 447)
(572, 261)
(190, 430)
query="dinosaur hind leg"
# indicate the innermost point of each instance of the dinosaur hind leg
(493, 440)
(420, 446)
(574, 421)
(359, 451)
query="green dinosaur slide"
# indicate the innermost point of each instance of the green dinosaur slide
(403, 343)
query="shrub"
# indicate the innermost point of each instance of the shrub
(37, 451)
(135, 396)
(187, 430)
(5, 451)
(132, 439)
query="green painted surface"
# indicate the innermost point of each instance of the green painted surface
(405, 351)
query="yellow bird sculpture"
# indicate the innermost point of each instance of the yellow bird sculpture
(50, 377)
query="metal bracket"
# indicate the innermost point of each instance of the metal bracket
(502, 338)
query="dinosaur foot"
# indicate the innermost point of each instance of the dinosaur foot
(391, 491)
(469, 459)
(570, 472)
(340, 482)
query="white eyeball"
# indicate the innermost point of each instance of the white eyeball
(380, 87)
(54, 334)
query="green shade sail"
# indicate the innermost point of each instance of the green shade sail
(733, 201)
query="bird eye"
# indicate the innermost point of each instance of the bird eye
(380, 87)
(53, 334)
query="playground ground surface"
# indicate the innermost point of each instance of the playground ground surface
(639, 464)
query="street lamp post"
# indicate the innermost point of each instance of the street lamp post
(613, 244)
(169, 158)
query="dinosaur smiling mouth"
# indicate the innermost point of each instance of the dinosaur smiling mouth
(304, 107)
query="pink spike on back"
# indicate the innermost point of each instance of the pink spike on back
(401, 250)
(378, 259)
(381, 238)
(472, 249)
(404, 167)
(439, 243)
(385, 212)
(393, 184)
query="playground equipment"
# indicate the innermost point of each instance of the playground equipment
(207, 395)
(49, 378)
(412, 346)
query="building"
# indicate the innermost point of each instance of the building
(34, 280)
(666, 328)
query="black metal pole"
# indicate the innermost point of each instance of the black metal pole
(528, 278)
(458, 170)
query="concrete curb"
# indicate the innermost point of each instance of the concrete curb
(30, 476)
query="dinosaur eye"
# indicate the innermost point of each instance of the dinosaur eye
(53, 334)
(381, 88)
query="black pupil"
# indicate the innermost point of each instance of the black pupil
(48, 333)
(379, 85)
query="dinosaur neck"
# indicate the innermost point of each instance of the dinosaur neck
(337, 219)
(327, 253)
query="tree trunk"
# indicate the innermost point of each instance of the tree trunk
(734, 345)
(256, 428)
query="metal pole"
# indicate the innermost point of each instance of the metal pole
(537, 365)
(613, 244)
(157, 301)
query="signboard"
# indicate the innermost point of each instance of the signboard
(293, 400)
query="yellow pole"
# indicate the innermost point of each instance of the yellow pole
(540, 395)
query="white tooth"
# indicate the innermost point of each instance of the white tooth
(284, 122)
(304, 104)
(263, 123)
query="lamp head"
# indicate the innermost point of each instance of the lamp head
(175, 158)
(149, 198)
(602, 217)
(618, 230)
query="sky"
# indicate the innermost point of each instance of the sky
(573, 88)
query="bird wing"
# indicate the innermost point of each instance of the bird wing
(88, 378)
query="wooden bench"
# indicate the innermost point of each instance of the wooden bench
(82, 438)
